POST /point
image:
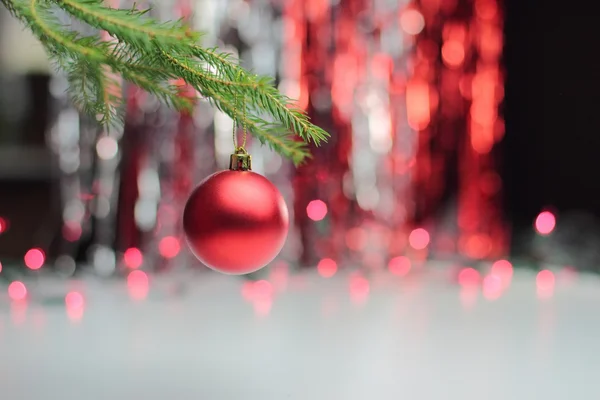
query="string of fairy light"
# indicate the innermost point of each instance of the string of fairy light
(407, 80)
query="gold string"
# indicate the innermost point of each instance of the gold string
(244, 130)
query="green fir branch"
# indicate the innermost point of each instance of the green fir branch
(131, 26)
(267, 133)
(153, 55)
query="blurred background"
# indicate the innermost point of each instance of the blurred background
(457, 134)
(464, 135)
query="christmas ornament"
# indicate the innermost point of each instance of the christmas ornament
(236, 221)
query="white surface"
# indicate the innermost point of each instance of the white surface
(410, 338)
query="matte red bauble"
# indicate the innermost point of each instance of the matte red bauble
(236, 221)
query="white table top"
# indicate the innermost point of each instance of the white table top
(303, 338)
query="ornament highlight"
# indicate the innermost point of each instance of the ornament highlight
(236, 221)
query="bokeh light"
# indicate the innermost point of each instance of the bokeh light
(3, 225)
(453, 53)
(502, 269)
(34, 258)
(359, 289)
(486, 9)
(476, 246)
(545, 223)
(248, 291)
(74, 300)
(419, 239)
(263, 289)
(316, 210)
(469, 277)
(138, 284)
(399, 266)
(107, 148)
(169, 247)
(545, 280)
(72, 231)
(412, 21)
(356, 239)
(17, 291)
(133, 258)
(492, 287)
(327, 267)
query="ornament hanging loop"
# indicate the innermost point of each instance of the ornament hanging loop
(244, 130)
(240, 160)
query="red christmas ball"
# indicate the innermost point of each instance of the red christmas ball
(236, 222)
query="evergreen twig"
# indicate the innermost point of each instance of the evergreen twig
(153, 55)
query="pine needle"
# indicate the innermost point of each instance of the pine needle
(152, 55)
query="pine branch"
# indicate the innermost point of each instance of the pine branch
(152, 55)
(9, 6)
(131, 26)
(266, 133)
(92, 89)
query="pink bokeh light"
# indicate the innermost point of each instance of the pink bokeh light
(327, 267)
(419, 238)
(17, 291)
(545, 223)
(34, 259)
(169, 247)
(399, 266)
(316, 210)
(133, 258)
(469, 277)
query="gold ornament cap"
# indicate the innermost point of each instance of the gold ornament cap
(240, 160)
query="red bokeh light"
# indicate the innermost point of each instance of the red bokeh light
(399, 265)
(169, 247)
(327, 267)
(453, 53)
(74, 300)
(545, 223)
(486, 9)
(356, 238)
(0, 267)
(316, 210)
(545, 280)
(477, 246)
(3, 225)
(418, 104)
(419, 238)
(17, 291)
(34, 258)
(133, 258)
(468, 277)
